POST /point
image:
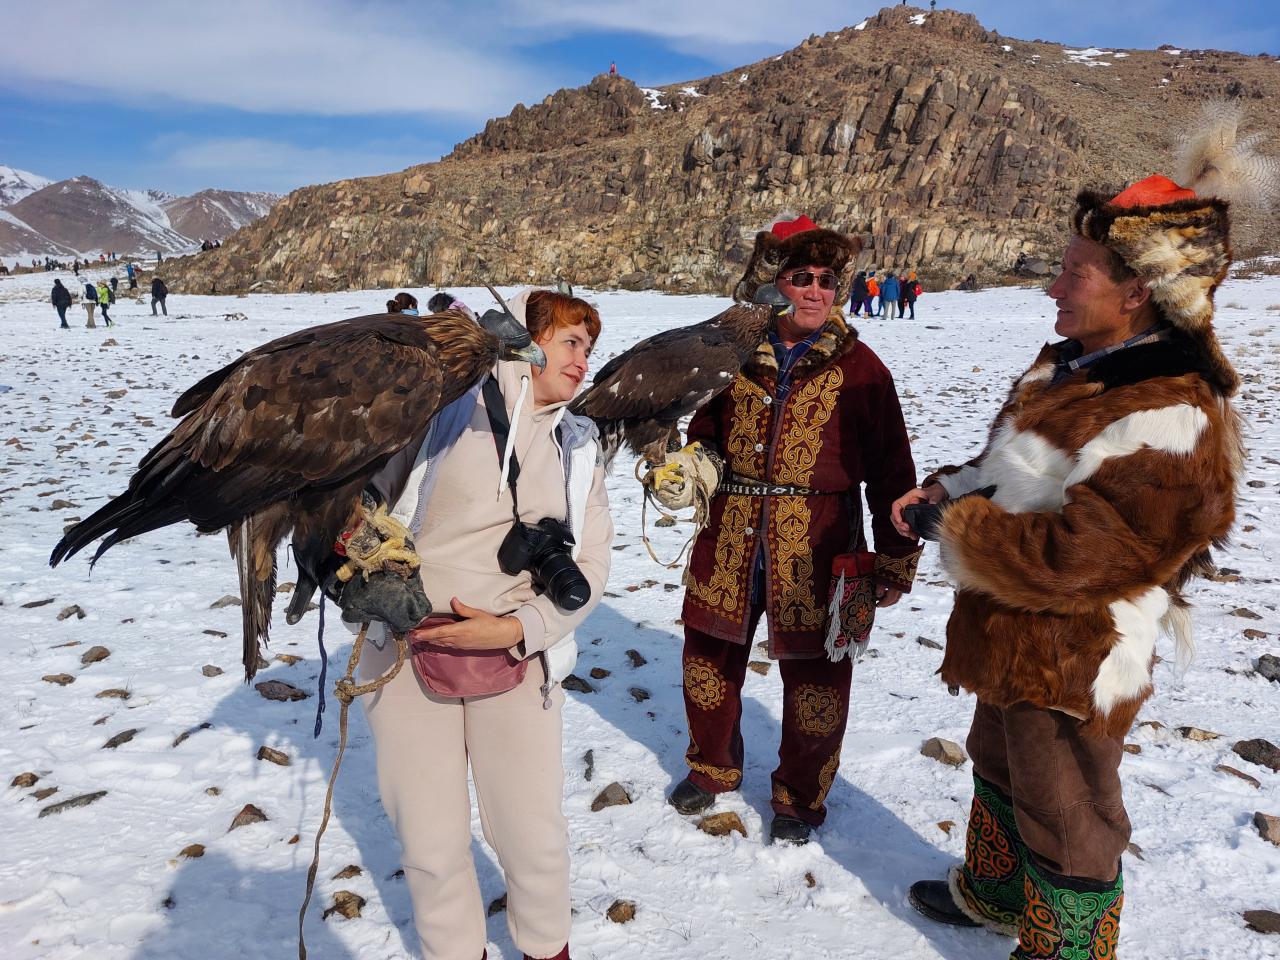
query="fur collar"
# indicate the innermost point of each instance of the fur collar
(837, 339)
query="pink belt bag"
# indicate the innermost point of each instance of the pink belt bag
(451, 672)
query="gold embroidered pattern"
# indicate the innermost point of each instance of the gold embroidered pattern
(808, 410)
(898, 569)
(826, 777)
(724, 592)
(726, 775)
(817, 710)
(748, 428)
(782, 795)
(703, 683)
(793, 565)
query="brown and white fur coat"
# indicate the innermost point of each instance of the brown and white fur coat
(1111, 487)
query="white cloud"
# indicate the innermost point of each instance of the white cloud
(329, 57)
(277, 165)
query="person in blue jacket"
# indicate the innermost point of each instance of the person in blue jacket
(890, 289)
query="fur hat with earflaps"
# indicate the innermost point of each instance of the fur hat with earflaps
(1178, 239)
(799, 243)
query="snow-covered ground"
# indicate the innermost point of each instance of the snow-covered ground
(107, 881)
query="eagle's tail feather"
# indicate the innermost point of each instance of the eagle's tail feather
(257, 593)
(125, 516)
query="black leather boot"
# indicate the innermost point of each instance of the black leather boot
(933, 899)
(785, 829)
(688, 797)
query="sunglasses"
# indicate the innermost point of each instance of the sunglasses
(803, 278)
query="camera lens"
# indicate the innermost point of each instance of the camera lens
(564, 582)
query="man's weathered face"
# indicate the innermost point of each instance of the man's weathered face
(1093, 307)
(813, 301)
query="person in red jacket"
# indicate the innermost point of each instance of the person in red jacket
(812, 417)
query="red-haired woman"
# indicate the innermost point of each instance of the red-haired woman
(431, 723)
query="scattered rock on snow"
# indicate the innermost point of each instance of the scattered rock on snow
(273, 756)
(81, 801)
(497, 905)
(1131, 748)
(345, 903)
(193, 851)
(1262, 921)
(1268, 666)
(576, 684)
(946, 826)
(621, 911)
(1195, 733)
(637, 658)
(638, 694)
(599, 673)
(248, 814)
(1254, 634)
(75, 610)
(944, 751)
(114, 693)
(761, 667)
(27, 779)
(94, 655)
(614, 795)
(121, 738)
(347, 872)
(1262, 752)
(227, 601)
(1246, 613)
(1223, 768)
(722, 824)
(214, 633)
(61, 679)
(288, 659)
(182, 737)
(279, 690)
(589, 758)
(38, 603)
(209, 670)
(1268, 827)
(931, 644)
(44, 793)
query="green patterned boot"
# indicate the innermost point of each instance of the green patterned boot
(1068, 918)
(990, 887)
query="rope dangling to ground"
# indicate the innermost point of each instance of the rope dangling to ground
(346, 690)
(701, 514)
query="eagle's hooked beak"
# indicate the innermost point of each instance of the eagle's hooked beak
(770, 296)
(516, 342)
(530, 353)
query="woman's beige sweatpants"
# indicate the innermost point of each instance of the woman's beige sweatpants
(423, 745)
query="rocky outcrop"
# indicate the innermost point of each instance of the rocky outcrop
(950, 148)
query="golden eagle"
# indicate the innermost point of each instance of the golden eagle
(284, 440)
(639, 397)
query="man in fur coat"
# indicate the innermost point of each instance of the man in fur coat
(783, 454)
(1110, 472)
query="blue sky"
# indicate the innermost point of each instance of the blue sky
(273, 94)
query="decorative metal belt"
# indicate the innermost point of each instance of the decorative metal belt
(744, 486)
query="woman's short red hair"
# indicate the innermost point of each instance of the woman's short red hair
(546, 310)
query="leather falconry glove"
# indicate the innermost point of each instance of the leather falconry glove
(925, 519)
(379, 580)
(689, 476)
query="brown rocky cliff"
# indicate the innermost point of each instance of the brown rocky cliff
(949, 147)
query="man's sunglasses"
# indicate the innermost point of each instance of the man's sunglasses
(802, 278)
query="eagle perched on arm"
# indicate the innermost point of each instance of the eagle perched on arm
(639, 397)
(285, 439)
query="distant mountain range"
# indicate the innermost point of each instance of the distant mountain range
(84, 217)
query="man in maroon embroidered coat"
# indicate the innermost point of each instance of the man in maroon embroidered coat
(812, 417)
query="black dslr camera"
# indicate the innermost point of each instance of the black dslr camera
(544, 550)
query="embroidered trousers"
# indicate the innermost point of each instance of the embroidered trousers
(1065, 787)
(513, 746)
(815, 705)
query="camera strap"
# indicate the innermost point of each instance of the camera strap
(495, 405)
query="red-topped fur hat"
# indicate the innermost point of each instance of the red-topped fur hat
(799, 242)
(1177, 239)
